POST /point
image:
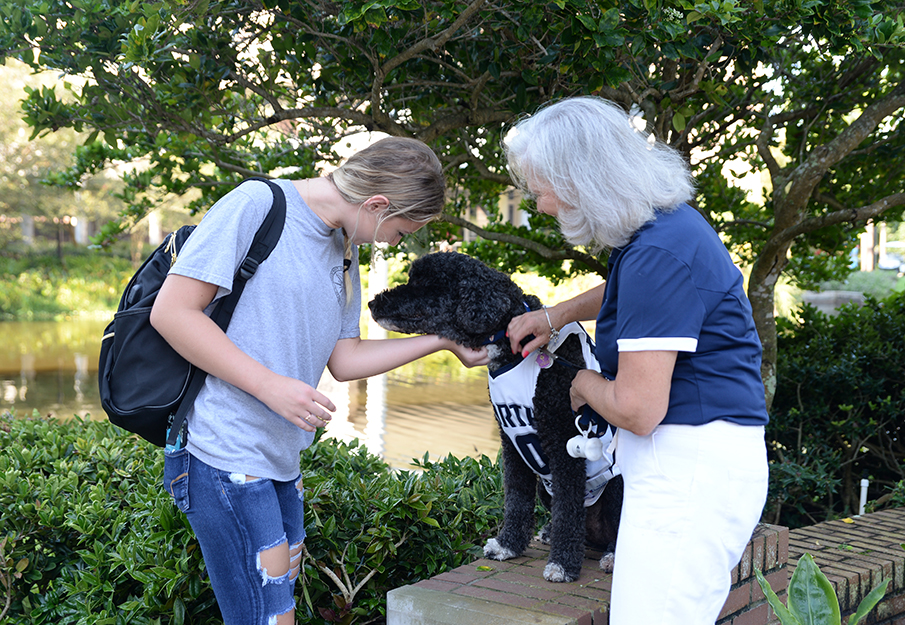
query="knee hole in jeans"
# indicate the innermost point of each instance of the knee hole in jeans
(300, 488)
(273, 562)
(286, 618)
(295, 561)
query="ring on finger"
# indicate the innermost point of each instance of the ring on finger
(305, 419)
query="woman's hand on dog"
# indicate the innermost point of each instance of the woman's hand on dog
(468, 356)
(582, 307)
(534, 322)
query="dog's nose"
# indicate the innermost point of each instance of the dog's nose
(376, 304)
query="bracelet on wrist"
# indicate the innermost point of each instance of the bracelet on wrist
(554, 333)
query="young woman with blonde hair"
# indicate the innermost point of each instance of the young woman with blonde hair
(237, 477)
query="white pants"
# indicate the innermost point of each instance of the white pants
(693, 496)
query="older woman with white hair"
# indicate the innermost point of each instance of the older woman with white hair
(678, 351)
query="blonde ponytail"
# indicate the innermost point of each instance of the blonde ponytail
(347, 267)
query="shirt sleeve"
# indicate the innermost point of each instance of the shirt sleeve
(221, 241)
(659, 307)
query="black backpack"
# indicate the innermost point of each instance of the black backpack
(145, 386)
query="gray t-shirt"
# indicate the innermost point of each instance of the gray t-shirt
(289, 318)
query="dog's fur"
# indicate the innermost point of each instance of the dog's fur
(460, 298)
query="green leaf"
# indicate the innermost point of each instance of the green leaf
(811, 595)
(588, 22)
(867, 604)
(785, 616)
(178, 612)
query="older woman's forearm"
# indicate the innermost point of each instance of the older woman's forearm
(637, 399)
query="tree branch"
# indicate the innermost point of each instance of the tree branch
(534, 246)
(692, 88)
(853, 215)
(742, 222)
(808, 174)
(315, 112)
(831, 201)
(432, 43)
(238, 169)
(763, 149)
(463, 119)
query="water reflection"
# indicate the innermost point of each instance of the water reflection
(52, 367)
(376, 414)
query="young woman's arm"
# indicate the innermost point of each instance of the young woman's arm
(178, 315)
(583, 307)
(354, 358)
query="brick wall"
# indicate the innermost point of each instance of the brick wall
(768, 552)
(855, 554)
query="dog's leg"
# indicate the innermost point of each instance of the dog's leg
(567, 535)
(603, 522)
(545, 534)
(607, 562)
(555, 426)
(518, 502)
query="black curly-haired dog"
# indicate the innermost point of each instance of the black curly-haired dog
(460, 298)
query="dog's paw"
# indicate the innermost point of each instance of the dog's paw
(495, 551)
(607, 562)
(545, 535)
(556, 573)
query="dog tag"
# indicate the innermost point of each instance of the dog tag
(544, 361)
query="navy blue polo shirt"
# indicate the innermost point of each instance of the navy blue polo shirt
(674, 287)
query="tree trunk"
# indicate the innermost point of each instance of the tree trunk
(761, 292)
(60, 241)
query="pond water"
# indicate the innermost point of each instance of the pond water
(428, 407)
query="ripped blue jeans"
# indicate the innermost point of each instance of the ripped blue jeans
(249, 531)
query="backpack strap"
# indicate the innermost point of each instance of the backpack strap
(266, 238)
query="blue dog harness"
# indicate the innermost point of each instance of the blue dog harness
(512, 395)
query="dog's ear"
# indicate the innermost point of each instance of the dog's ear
(482, 313)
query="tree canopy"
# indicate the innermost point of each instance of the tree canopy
(197, 94)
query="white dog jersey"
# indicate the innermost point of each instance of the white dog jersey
(512, 395)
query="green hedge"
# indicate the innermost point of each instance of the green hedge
(88, 536)
(839, 413)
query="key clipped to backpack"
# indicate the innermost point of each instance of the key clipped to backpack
(145, 386)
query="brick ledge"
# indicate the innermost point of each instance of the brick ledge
(855, 556)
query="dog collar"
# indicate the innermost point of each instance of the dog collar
(499, 336)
